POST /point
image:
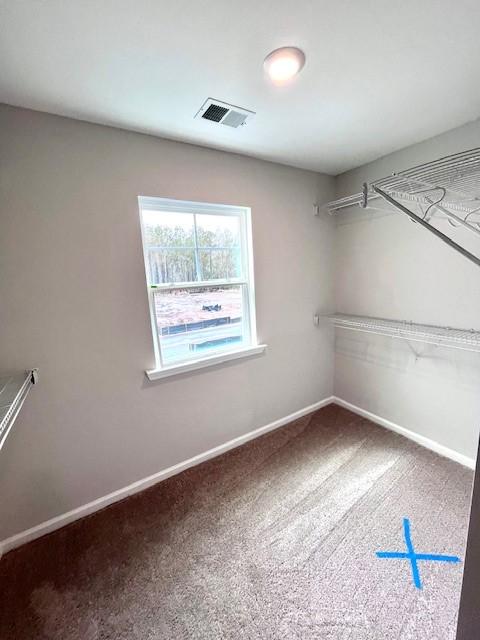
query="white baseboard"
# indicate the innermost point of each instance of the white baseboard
(100, 503)
(411, 435)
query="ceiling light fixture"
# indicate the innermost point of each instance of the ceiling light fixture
(283, 64)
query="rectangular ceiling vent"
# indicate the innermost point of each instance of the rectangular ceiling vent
(223, 113)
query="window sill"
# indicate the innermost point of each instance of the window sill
(186, 367)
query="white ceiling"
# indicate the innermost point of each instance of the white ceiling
(379, 75)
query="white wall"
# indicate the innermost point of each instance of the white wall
(387, 266)
(73, 303)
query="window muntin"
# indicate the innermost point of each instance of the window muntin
(199, 275)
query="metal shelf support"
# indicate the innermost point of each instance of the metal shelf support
(426, 225)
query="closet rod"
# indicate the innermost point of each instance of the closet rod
(436, 232)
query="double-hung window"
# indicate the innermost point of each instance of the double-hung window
(199, 268)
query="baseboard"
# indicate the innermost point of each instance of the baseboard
(100, 503)
(411, 435)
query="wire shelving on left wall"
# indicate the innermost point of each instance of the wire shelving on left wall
(14, 388)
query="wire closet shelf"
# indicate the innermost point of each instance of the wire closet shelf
(452, 182)
(464, 339)
(447, 188)
(14, 389)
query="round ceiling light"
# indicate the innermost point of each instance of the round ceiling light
(283, 64)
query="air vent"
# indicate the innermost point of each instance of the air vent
(223, 113)
(215, 112)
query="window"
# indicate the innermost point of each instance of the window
(198, 262)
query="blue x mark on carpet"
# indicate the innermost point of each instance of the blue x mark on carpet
(413, 556)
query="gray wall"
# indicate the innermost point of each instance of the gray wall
(73, 303)
(389, 267)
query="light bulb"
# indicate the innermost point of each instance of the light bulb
(283, 64)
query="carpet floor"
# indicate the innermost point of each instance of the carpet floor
(274, 540)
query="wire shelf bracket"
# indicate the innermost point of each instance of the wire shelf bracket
(398, 205)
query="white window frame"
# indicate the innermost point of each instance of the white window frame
(247, 284)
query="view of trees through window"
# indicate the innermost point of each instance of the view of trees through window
(188, 248)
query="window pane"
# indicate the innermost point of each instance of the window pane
(170, 241)
(220, 263)
(171, 265)
(218, 231)
(192, 323)
(219, 246)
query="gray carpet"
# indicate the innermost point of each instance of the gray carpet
(276, 539)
